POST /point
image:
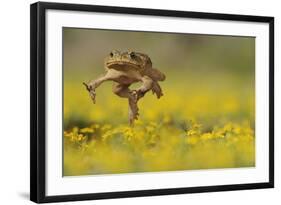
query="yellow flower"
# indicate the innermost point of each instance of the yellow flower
(87, 130)
(207, 136)
(106, 127)
(192, 140)
(191, 132)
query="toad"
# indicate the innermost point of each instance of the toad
(124, 69)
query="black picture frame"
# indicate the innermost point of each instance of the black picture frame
(38, 101)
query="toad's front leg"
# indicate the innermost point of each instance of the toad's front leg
(93, 84)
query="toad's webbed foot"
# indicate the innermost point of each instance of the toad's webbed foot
(156, 89)
(92, 92)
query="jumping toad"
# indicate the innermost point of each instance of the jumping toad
(124, 69)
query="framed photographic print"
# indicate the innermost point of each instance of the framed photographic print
(129, 102)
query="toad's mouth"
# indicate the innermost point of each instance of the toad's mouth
(121, 65)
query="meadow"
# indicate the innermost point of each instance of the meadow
(205, 120)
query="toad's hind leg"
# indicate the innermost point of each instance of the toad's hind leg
(122, 90)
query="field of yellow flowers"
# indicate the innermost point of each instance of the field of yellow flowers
(201, 122)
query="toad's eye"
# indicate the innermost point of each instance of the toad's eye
(111, 54)
(132, 55)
